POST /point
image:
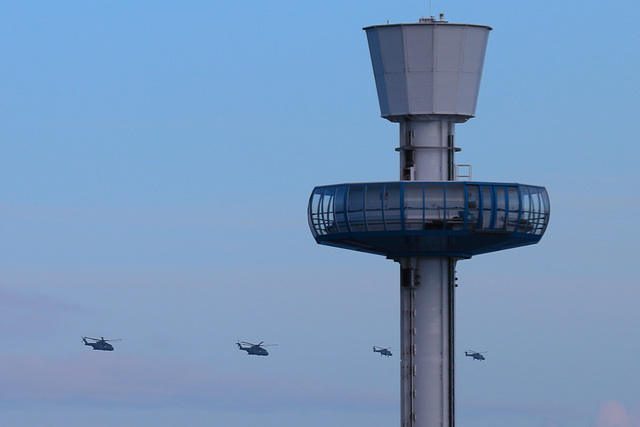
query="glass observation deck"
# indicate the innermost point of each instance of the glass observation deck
(409, 218)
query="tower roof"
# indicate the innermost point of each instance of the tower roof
(428, 70)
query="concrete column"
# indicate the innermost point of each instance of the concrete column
(427, 340)
(427, 150)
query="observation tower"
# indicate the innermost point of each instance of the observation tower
(427, 76)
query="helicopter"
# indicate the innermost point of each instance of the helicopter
(255, 349)
(99, 344)
(382, 351)
(475, 354)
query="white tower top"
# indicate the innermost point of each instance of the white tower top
(429, 70)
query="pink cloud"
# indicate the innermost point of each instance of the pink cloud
(613, 414)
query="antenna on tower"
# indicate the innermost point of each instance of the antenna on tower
(430, 15)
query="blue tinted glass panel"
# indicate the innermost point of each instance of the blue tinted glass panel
(539, 212)
(455, 206)
(473, 202)
(413, 206)
(487, 207)
(513, 205)
(314, 209)
(355, 208)
(501, 208)
(373, 202)
(434, 212)
(546, 209)
(339, 208)
(527, 214)
(327, 216)
(392, 204)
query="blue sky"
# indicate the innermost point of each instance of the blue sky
(155, 167)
